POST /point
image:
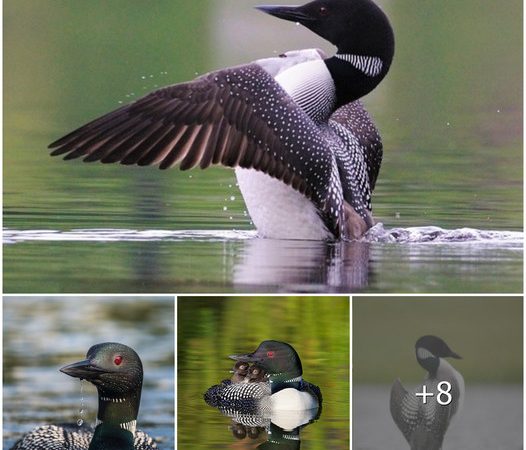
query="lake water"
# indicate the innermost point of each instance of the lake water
(450, 113)
(42, 334)
(491, 419)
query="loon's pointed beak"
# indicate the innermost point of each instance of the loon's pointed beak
(292, 13)
(84, 370)
(455, 355)
(248, 357)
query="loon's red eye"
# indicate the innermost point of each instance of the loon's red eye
(117, 360)
(270, 354)
(323, 11)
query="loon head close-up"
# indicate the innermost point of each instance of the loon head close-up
(116, 371)
(278, 359)
(429, 349)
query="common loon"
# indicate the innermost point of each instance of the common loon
(306, 153)
(256, 374)
(240, 372)
(282, 387)
(116, 371)
(424, 425)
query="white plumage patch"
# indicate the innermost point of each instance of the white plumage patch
(292, 400)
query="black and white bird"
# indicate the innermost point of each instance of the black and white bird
(116, 371)
(306, 153)
(424, 425)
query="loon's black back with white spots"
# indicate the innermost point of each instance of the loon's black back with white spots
(273, 118)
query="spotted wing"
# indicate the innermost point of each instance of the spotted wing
(237, 117)
(404, 409)
(355, 118)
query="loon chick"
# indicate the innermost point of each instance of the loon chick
(306, 153)
(424, 425)
(283, 387)
(116, 371)
(241, 370)
(255, 374)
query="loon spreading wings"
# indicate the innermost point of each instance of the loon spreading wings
(306, 153)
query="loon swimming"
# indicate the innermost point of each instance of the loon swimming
(116, 371)
(279, 386)
(306, 153)
(424, 425)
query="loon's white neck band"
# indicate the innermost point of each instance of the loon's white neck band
(113, 400)
(131, 426)
(369, 65)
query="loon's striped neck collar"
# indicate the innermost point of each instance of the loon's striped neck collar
(130, 426)
(371, 66)
(280, 381)
(355, 75)
(118, 411)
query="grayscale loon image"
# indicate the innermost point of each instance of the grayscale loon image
(290, 390)
(133, 402)
(439, 399)
(341, 154)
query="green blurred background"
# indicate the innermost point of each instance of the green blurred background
(210, 329)
(485, 331)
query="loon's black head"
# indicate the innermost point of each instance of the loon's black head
(114, 368)
(278, 359)
(361, 32)
(357, 27)
(429, 349)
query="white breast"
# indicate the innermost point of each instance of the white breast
(292, 400)
(277, 210)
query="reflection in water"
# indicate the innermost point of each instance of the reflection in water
(323, 267)
(396, 260)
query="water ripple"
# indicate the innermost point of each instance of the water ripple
(427, 234)
(123, 235)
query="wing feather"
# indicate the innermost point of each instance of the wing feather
(228, 117)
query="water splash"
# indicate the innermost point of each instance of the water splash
(432, 234)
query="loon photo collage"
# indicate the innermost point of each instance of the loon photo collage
(258, 225)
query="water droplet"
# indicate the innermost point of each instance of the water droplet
(143, 77)
(232, 198)
(225, 208)
(80, 422)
